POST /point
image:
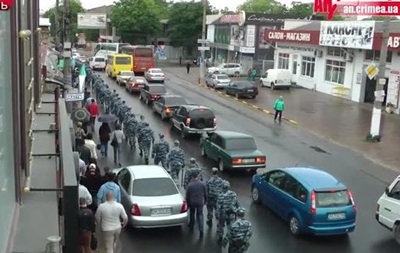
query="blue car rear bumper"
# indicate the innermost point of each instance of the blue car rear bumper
(332, 230)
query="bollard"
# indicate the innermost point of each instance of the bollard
(53, 245)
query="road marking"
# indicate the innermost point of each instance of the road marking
(244, 102)
(220, 92)
(294, 122)
(226, 95)
(266, 111)
(254, 106)
(236, 99)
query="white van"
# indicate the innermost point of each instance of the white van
(97, 63)
(388, 209)
(277, 78)
(230, 69)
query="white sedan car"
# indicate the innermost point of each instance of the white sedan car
(150, 197)
(154, 75)
(123, 77)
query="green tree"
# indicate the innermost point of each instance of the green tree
(301, 9)
(264, 6)
(137, 21)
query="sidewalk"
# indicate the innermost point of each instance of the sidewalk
(341, 121)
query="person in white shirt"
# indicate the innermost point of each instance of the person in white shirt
(109, 215)
(84, 193)
(117, 137)
(90, 144)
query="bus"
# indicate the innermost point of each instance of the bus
(110, 48)
(143, 57)
(117, 63)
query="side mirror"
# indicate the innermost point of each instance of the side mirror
(387, 191)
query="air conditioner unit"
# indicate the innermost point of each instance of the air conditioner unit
(318, 53)
(348, 57)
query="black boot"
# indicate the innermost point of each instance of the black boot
(141, 153)
(146, 160)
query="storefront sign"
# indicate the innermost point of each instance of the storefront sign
(239, 18)
(393, 42)
(393, 88)
(247, 50)
(291, 36)
(347, 34)
(296, 48)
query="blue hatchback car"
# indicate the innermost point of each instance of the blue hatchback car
(310, 200)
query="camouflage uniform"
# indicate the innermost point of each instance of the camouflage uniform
(130, 126)
(139, 126)
(175, 161)
(238, 236)
(146, 138)
(227, 203)
(214, 189)
(193, 169)
(160, 152)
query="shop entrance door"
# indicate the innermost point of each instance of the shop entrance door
(370, 86)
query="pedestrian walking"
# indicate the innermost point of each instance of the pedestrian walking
(105, 177)
(104, 136)
(146, 139)
(175, 161)
(193, 169)
(188, 67)
(109, 216)
(85, 154)
(94, 113)
(279, 107)
(160, 151)
(80, 135)
(83, 192)
(86, 226)
(214, 189)
(93, 181)
(91, 145)
(117, 137)
(139, 127)
(227, 204)
(196, 198)
(109, 186)
(239, 234)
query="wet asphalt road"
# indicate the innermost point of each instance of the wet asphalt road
(284, 146)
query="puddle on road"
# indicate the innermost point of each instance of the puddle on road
(319, 150)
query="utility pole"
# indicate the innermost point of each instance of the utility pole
(57, 23)
(374, 134)
(203, 44)
(67, 53)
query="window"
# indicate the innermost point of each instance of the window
(153, 187)
(307, 66)
(240, 144)
(395, 192)
(99, 59)
(283, 61)
(375, 55)
(301, 193)
(335, 71)
(276, 178)
(243, 84)
(336, 51)
(157, 89)
(125, 181)
(294, 70)
(121, 60)
(175, 101)
(144, 52)
(201, 113)
(333, 198)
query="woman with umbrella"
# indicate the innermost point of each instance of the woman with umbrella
(104, 134)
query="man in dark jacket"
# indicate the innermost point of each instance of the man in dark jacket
(84, 154)
(196, 198)
(93, 181)
(86, 226)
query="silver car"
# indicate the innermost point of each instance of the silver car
(154, 75)
(150, 197)
(123, 77)
(219, 81)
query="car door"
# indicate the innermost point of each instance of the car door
(276, 182)
(180, 116)
(159, 104)
(145, 91)
(224, 69)
(215, 147)
(264, 79)
(213, 80)
(264, 190)
(287, 198)
(390, 205)
(121, 180)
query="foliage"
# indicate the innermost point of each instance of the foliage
(136, 20)
(301, 9)
(265, 6)
(221, 11)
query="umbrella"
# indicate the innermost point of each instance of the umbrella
(108, 118)
(81, 115)
(82, 77)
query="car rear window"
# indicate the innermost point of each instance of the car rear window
(99, 59)
(240, 144)
(175, 101)
(152, 187)
(139, 80)
(243, 84)
(124, 60)
(126, 73)
(201, 113)
(159, 71)
(332, 198)
(223, 77)
(158, 89)
(144, 52)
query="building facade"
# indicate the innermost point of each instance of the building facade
(19, 87)
(338, 58)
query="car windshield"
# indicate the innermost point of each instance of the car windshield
(332, 198)
(175, 101)
(243, 84)
(157, 71)
(157, 89)
(153, 187)
(240, 144)
(223, 77)
(126, 73)
(202, 113)
(122, 60)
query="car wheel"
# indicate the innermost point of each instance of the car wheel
(203, 151)
(148, 101)
(214, 86)
(253, 97)
(294, 225)
(255, 195)
(237, 95)
(183, 133)
(396, 233)
(272, 86)
(221, 166)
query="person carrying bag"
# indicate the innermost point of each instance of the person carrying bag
(117, 136)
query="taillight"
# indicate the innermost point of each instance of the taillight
(313, 209)
(215, 121)
(153, 96)
(236, 161)
(377, 208)
(260, 160)
(188, 121)
(184, 207)
(350, 194)
(167, 110)
(135, 211)
(133, 84)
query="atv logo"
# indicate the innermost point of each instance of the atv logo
(5, 5)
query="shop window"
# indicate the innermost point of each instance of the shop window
(283, 62)
(335, 71)
(336, 51)
(307, 66)
(375, 55)
(294, 70)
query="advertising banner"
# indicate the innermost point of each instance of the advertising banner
(92, 21)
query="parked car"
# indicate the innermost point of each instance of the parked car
(154, 75)
(207, 78)
(97, 63)
(218, 81)
(277, 78)
(310, 200)
(166, 105)
(150, 197)
(135, 84)
(151, 92)
(230, 69)
(193, 119)
(232, 151)
(241, 89)
(388, 209)
(123, 77)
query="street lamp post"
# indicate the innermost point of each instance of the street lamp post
(67, 53)
(203, 44)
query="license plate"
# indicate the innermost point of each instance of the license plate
(336, 216)
(248, 160)
(141, 85)
(250, 90)
(160, 211)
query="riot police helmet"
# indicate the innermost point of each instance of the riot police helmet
(192, 160)
(241, 211)
(226, 185)
(146, 124)
(176, 143)
(161, 135)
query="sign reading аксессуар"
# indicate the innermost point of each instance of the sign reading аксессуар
(347, 34)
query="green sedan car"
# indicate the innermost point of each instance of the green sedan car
(232, 151)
